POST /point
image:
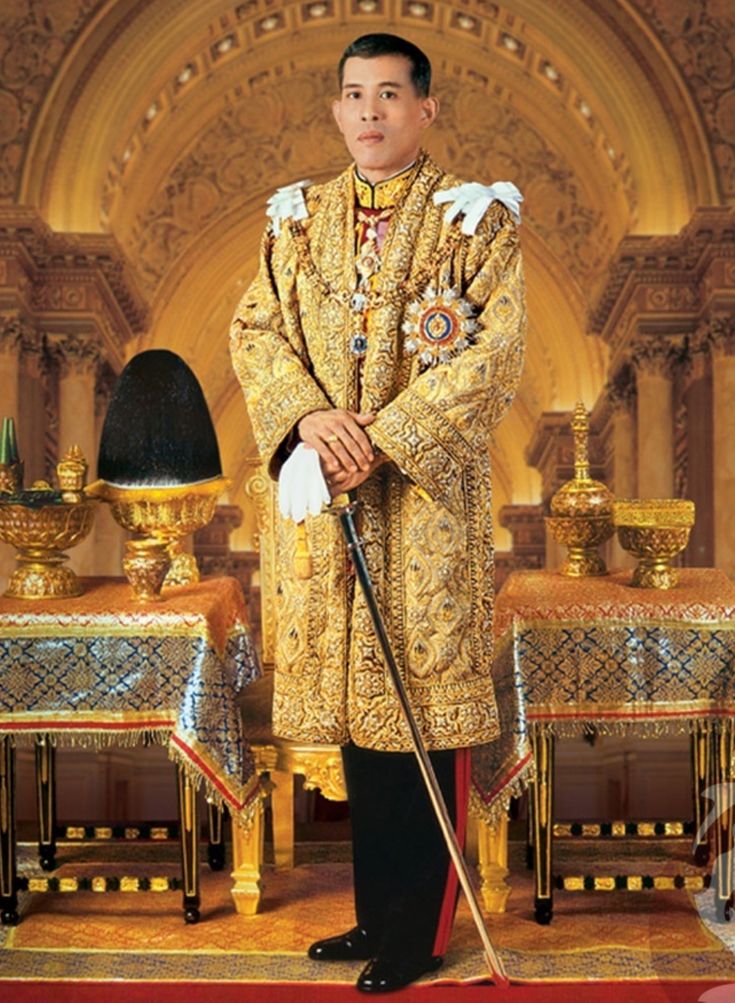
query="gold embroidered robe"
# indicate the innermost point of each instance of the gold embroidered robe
(426, 517)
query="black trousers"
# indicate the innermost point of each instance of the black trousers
(405, 886)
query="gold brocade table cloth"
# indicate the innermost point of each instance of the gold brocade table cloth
(577, 654)
(595, 652)
(102, 668)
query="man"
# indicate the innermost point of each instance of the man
(385, 332)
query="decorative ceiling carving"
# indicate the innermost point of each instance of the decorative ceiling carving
(33, 42)
(700, 38)
(257, 144)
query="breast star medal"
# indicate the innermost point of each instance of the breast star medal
(439, 326)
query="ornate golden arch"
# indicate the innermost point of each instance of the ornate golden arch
(170, 123)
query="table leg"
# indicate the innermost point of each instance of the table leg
(216, 847)
(46, 797)
(701, 776)
(529, 826)
(189, 827)
(492, 852)
(723, 747)
(247, 859)
(542, 741)
(282, 797)
(8, 876)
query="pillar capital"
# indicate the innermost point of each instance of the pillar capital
(698, 353)
(77, 355)
(721, 335)
(13, 331)
(620, 394)
(652, 356)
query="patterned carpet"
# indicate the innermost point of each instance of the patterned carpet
(594, 936)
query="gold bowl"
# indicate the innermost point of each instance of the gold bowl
(160, 518)
(654, 530)
(41, 534)
(581, 535)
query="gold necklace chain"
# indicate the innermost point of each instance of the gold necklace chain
(373, 298)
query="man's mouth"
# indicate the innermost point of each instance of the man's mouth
(370, 137)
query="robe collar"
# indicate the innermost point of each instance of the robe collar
(387, 193)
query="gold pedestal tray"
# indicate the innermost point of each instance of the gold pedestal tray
(41, 535)
(160, 517)
(581, 537)
(654, 530)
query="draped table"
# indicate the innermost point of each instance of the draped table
(104, 669)
(576, 655)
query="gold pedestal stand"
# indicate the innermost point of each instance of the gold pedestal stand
(654, 530)
(160, 518)
(42, 532)
(40, 536)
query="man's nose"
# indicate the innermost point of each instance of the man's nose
(370, 112)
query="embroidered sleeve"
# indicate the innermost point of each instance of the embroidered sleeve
(271, 364)
(433, 428)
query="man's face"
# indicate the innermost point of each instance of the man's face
(380, 114)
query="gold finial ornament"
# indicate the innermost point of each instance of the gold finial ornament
(654, 530)
(71, 473)
(581, 510)
(41, 523)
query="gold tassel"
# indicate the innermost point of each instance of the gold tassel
(302, 563)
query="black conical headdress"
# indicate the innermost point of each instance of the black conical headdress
(158, 430)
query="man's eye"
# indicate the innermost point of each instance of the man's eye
(351, 95)
(388, 94)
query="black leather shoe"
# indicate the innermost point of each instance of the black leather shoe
(350, 946)
(385, 975)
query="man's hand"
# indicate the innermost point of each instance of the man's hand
(343, 480)
(338, 438)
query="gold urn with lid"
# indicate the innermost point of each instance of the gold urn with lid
(582, 509)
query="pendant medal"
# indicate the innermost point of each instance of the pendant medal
(439, 326)
(358, 344)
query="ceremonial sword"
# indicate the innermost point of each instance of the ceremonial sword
(343, 507)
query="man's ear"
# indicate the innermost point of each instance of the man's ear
(429, 111)
(337, 112)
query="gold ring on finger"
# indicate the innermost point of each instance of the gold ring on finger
(332, 438)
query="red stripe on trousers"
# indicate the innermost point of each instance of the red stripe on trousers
(462, 771)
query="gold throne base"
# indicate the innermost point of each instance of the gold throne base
(321, 768)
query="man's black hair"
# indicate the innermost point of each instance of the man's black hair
(382, 44)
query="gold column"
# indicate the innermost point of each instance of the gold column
(722, 334)
(78, 361)
(652, 360)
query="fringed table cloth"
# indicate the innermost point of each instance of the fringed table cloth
(577, 655)
(105, 669)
